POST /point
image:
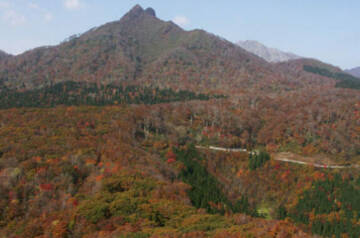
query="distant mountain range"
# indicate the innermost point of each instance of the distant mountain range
(354, 72)
(269, 54)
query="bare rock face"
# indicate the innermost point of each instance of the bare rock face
(268, 54)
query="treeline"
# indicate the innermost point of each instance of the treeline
(206, 191)
(75, 93)
(331, 207)
(344, 80)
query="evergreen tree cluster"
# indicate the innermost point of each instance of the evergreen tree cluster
(243, 206)
(281, 212)
(344, 80)
(75, 93)
(206, 191)
(257, 160)
(331, 206)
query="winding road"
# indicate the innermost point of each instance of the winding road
(282, 157)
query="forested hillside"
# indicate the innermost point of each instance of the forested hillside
(74, 93)
(303, 106)
(99, 138)
(100, 172)
(344, 80)
(125, 170)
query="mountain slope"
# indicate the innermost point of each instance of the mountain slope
(3, 55)
(355, 72)
(269, 54)
(137, 48)
(86, 173)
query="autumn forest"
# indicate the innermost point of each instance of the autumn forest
(141, 129)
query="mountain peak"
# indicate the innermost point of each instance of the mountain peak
(136, 8)
(138, 11)
(150, 11)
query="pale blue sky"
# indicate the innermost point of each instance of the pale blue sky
(324, 29)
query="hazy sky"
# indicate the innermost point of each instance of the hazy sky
(324, 29)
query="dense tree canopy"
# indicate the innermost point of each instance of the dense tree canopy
(85, 171)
